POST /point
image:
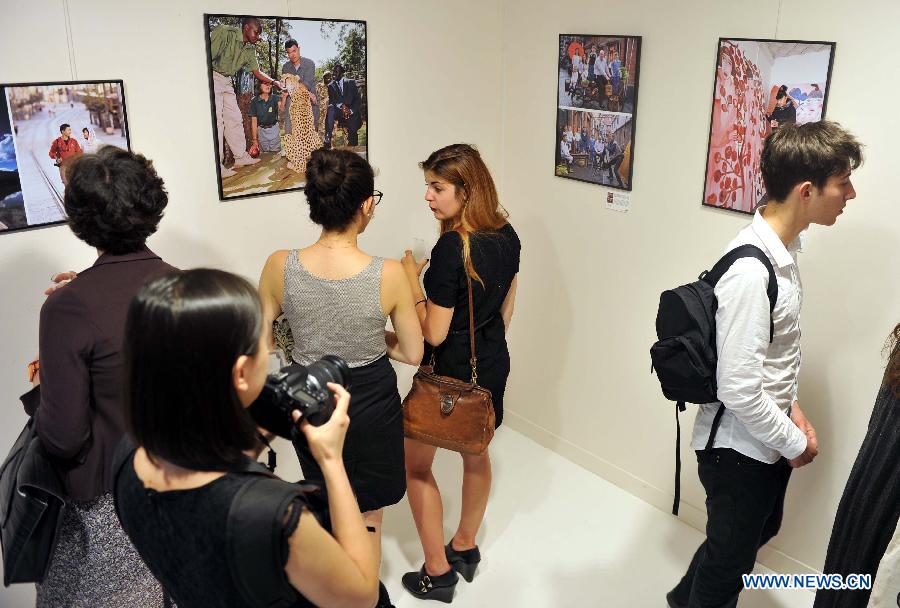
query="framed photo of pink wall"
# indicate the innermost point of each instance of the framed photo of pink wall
(759, 86)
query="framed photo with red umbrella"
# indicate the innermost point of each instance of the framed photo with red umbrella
(596, 108)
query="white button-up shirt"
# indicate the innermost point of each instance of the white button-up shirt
(757, 380)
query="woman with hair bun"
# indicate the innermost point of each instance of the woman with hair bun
(337, 299)
(478, 241)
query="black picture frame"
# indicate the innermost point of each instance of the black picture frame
(606, 106)
(45, 175)
(732, 180)
(281, 178)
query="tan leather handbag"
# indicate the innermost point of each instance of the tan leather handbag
(447, 412)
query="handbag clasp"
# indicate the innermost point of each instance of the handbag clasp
(447, 404)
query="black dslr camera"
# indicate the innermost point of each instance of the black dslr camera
(295, 387)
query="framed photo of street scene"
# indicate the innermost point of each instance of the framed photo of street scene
(596, 108)
(44, 126)
(281, 87)
(759, 86)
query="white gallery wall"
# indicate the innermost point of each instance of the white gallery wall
(591, 277)
(485, 73)
(426, 88)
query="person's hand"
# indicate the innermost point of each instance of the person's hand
(326, 442)
(34, 371)
(412, 268)
(313, 98)
(812, 449)
(254, 149)
(59, 280)
(812, 442)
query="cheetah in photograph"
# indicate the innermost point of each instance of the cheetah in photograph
(303, 139)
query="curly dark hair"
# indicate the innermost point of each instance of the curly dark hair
(337, 183)
(114, 200)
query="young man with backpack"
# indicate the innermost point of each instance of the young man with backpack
(762, 433)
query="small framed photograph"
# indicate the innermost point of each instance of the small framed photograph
(597, 91)
(44, 126)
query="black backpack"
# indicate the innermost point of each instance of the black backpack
(685, 356)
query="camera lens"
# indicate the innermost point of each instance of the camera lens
(329, 368)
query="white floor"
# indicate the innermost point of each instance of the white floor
(557, 535)
(554, 535)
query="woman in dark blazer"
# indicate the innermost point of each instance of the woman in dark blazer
(114, 200)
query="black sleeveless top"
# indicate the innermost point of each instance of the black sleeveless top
(180, 534)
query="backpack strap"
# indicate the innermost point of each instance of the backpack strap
(747, 251)
(254, 540)
(679, 407)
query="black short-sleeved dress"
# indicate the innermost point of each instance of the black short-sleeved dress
(495, 256)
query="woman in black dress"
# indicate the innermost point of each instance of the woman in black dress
(476, 239)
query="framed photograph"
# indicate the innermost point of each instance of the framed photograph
(597, 92)
(281, 87)
(759, 86)
(43, 128)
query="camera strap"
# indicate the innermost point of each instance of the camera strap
(272, 456)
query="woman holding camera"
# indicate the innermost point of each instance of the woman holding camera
(187, 386)
(337, 299)
(114, 201)
(478, 241)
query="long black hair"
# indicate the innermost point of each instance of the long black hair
(184, 332)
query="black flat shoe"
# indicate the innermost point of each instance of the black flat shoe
(427, 587)
(464, 562)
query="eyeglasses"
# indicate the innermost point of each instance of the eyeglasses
(377, 196)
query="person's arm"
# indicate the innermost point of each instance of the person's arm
(262, 77)
(339, 570)
(404, 344)
(435, 319)
(66, 342)
(271, 288)
(254, 123)
(509, 303)
(309, 80)
(799, 418)
(742, 341)
(54, 149)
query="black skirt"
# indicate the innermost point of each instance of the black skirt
(373, 448)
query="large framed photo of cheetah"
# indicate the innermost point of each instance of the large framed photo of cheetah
(596, 108)
(281, 87)
(760, 86)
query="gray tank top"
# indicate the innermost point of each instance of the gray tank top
(340, 317)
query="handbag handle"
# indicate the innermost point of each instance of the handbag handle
(473, 360)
